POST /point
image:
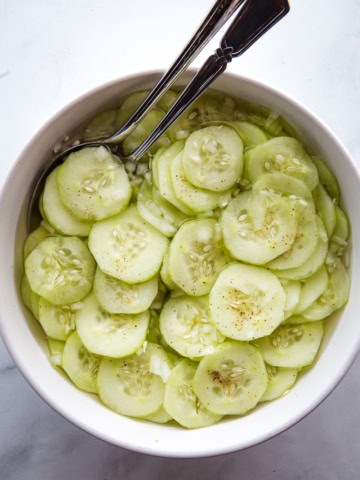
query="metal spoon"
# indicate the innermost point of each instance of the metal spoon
(253, 20)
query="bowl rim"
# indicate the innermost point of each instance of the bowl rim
(156, 450)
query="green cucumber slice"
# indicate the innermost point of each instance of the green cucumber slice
(292, 346)
(281, 154)
(213, 158)
(161, 167)
(34, 238)
(250, 134)
(127, 247)
(153, 166)
(25, 291)
(231, 380)
(196, 256)
(165, 275)
(93, 184)
(160, 416)
(181, 401)
(60, 217)
(186, 326)
(280, 381)
(129, 105)
(58, 321)
(314, 262)
(157, 211)
(311, 290)
(334, 297)
(56, 349)
(128, 387)
(111, 335)
(246, 302)
(339, 239)
(116, 296)
(292, 289)
(80, 365)
(325, 208)
(258, 228)
(197, 199)
(102, 125)
(60, 269)
(327, 178)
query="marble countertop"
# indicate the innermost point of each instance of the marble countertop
(52, 51)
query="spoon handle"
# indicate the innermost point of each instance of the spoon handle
(216, 18)
(254, 19)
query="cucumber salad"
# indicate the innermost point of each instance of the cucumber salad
(196, 283)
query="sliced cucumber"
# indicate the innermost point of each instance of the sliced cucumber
(327, 178)
(25, 291)
(250, 134)
(281, 154)
(213, 158)
(186, 326)
(93, 184)
(196, 256)
(181, 401)
(334, 297)
(246, 302)
(102, 125)
(314, 262)
(116, 296)
(231, 380)
(111, 335)
(292, 346)
(58, 321)
(81, 366)
(127, 385)
(292, 289)
(258, 228)
(60, 269)
(34, 238)
(196, 198)
(280, 381)
(160, 416)
(311, 290)
(165, 275)
(161, 169)
(129, 105)
(157, 211)
(127, 247)
(60, 217)
(325, 208)
(153, 166)
(339, 239)
(56, 349)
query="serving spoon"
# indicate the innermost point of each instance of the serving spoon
(254, 19)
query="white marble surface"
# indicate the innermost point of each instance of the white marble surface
(50, 52)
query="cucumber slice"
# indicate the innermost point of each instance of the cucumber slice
(56, 349)
(246, 302)
(325, 208)
(327, 178)
(161, 167)
(339, 239)
(196, 256)
(231, 380)
(60, 269)
(197, 199)
(157, 211)
(160, 416)
(167, 100)
(127, 247)
(181, 401)
(80, 365)
(314, 262)
(186, 326)
(58, 321)
(153, 166)
(292, 289)
(165, 275)
(116, 296)
(127, 385)
(280, 381)
(258, 228)
(281, 154)
(262, 116)
(213, 158)
(334, 297)
(35, 304)
(93, 184)
(129, 105)
(250, 134)
(311, 290)
(111, 335)
(33, 240)
(292, 346)
(102, 125)
(59, 217)
(143, 130)
(25, 291)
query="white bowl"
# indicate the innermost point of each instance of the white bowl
(26, 342)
